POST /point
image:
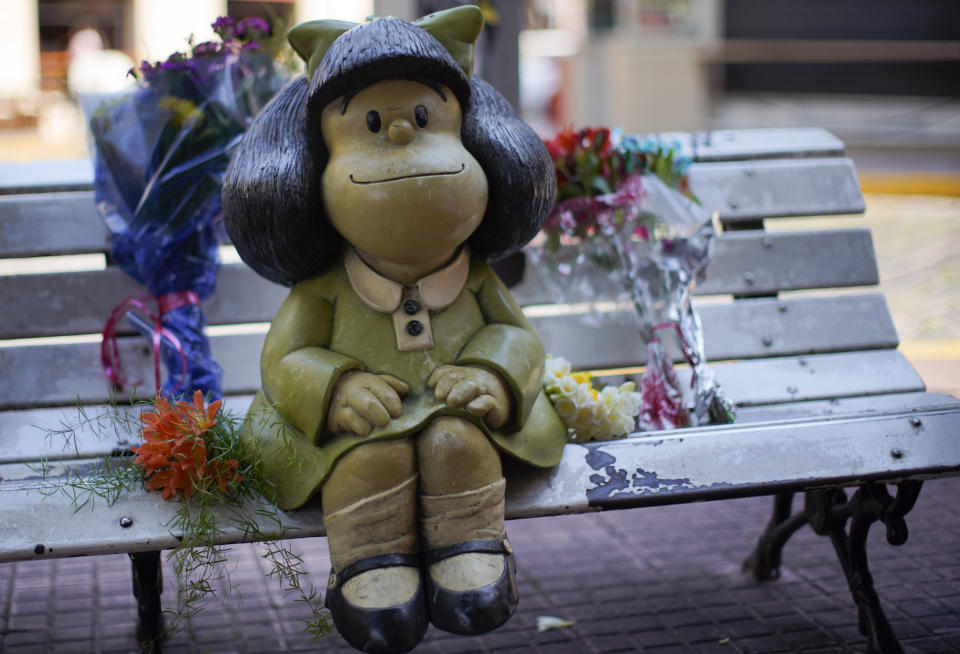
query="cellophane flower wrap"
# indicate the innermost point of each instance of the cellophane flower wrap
(161, 151)
(625, 208)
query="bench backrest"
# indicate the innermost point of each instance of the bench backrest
(50, 323)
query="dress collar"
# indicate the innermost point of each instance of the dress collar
(438, 290)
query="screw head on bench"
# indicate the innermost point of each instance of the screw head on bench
(732, 203)
(896, 453)
(749, 278)
(126, 522)
(766, 340)
(915, 421)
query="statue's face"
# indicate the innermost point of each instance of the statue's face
(399, 183)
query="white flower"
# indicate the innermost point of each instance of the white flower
(566, 409)
(608, 398)
(584, 394)
(590, 414)
(554, 370)
(569, 387)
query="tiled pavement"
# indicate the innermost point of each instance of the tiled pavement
(663, 580)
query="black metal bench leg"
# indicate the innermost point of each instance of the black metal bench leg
(764, 561)
(147, 586)
(829, 511)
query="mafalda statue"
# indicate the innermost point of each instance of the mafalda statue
(399, 369)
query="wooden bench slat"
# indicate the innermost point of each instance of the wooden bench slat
(80, 302)
(26, 442)
(754, 263)
(50, 224)
(752, 190)
(706, 463)
(24, 373)
(760, 143)
(815, 377)
(62, 222)
(744, 329)
(52, 521)
(54, 175)
(844, 406)
(748, 263)
(740, 144)
(744, 263)
(27, 436)
(28, 381)
(740, 190)
(669, 467)
(723, 145)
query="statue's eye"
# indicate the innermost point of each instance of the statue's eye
(373, 121)
(420, 115)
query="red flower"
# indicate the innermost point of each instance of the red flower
(596, 139)
(174, 454)
(563, 144)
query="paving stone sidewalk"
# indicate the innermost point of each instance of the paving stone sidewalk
(662, 580)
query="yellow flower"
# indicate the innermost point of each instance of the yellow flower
(183, 110)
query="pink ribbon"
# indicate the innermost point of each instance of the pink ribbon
(109, 347)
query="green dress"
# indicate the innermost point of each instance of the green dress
(325, 328)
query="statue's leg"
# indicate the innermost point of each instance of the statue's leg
(471, 583)
(375, 593)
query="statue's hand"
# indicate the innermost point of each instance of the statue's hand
(478, 390)
(362, 401)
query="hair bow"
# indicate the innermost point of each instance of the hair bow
(456, 29)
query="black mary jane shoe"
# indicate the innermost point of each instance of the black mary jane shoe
(389, 630)
(475, 611)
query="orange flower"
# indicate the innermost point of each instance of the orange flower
(174, 455)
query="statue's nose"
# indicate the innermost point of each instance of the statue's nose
(400, 131)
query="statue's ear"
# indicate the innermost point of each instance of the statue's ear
(312, 39)
(457, 30)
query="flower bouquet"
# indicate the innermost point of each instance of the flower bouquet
(161, 151)
(192, 454)
(625, 206)
(591, 414)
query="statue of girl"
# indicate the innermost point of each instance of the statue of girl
(399, 369)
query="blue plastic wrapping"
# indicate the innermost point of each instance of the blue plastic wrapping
(161, 153)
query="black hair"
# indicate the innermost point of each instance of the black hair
(272, 201)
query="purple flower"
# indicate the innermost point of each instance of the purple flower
(224, 27)
(253, 46)
(206, 48)
(252, 27)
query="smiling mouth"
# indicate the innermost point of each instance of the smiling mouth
(394, 179)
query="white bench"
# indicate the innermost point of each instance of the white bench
(825, 400)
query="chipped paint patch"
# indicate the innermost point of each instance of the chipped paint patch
(612, 482)
(643, 479)
(598, 459)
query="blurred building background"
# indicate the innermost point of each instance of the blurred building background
(878, 73)
(883, 75)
